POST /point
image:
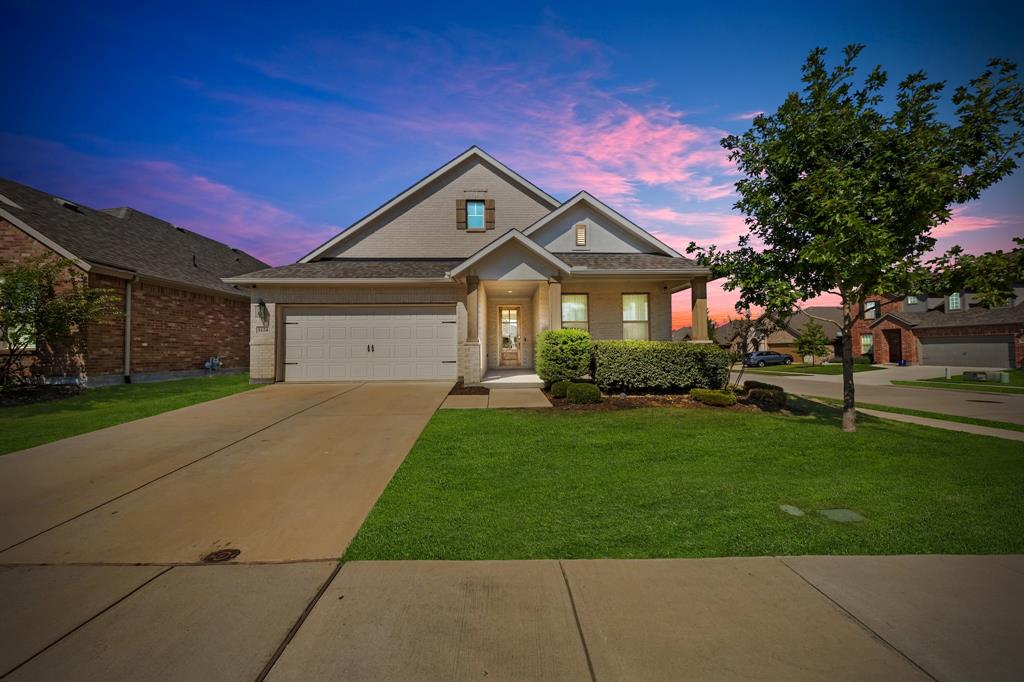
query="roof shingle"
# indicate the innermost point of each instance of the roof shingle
(360, 268)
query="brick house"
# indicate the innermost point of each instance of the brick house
(175, 312)
(953, 330)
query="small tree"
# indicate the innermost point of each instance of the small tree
(43, 302)
(842, 191)
(812, 341)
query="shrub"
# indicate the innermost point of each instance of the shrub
(662, 366)
(749, 384)
(559, 389)
(563, 354)
(866, 359)
(580, 394)
(713, 397)
(767, 398)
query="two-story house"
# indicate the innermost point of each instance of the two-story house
(458, 274)
(952, 330)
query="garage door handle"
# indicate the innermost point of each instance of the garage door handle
(373, 349)
(448, 362)
(291, 363)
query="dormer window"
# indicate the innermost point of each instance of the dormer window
(581, 234)
(913, 300)
(954, 303)
(870, 310)
(475, 215)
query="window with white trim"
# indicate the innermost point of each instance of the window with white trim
(954, 302)
(475, 215)
(867, 344)
(870, 310)
(575, 311)
(911, 300)
(636, 324)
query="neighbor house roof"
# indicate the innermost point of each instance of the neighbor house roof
(124, 239)
(972, 317)
(354, 269)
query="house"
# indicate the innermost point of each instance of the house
(784, 338)
(175, 312)
(456, 275)
(952, 330)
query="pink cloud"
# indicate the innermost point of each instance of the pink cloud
(747, 115)
(963, 222)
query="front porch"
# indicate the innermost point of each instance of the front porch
(509, 379)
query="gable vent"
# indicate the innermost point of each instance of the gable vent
(581, 234)
(69, 205)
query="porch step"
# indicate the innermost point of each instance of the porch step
(501, 380)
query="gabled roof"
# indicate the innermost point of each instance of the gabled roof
(516, 236)
(608, 212)
(472, 152)
(353, 269)
(972, 317)
(124, 240)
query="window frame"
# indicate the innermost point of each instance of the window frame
(869, 350)
(483, 215)
(912, 299)
(959, 302)
(580, 229)
(647, 309)
(586, 310)
(872, 310)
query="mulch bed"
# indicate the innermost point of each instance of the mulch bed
(39, 393)
(632, 402)
(460, 389)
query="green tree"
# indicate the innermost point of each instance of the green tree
(843, 190)
(990, 276)
(812, 341)
(43, 302)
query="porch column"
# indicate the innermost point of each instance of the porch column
(554, 305)
(472, 308)
(699, 309)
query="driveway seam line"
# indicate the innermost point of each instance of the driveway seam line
(298, 624)
(857, 620)
(174, 471)
(84, 623)
(579, 624)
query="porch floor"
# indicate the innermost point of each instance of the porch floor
(509, 378)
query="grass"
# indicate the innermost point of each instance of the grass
(950, 386)
(663, 482)
(26, 426)
(931, 415)
(809, 369)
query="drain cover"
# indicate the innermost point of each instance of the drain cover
(221, 555)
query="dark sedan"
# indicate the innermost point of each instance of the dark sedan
(766, 357)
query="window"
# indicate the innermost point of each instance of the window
(475, 215)
(635, 321)
(870, 310)
(867, 344)
(954, 302)
(911, 300)
(581, 234)
(575, 313)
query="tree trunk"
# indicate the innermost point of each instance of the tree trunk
(849, 408)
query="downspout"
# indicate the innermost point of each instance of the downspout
(128, 331)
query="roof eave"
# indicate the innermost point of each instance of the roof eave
(335, 280)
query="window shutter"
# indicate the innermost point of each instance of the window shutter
(489, 213)
(460, 214)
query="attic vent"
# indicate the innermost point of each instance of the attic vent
(581, 234)
(180, 229)
(70, 205)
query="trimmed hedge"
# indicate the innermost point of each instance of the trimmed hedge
(559, 389)
(750, 384)
(563, 354)
(767, 398)
(581, 394)
(866, 359)
(713, 397)
(660, 366)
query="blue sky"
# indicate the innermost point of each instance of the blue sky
(272, 127)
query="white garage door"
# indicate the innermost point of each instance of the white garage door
(385, 343)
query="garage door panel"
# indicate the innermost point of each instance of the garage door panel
(370, 344)
(974, 351)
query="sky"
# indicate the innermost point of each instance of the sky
(274, 127)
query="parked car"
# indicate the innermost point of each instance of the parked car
(767, 357)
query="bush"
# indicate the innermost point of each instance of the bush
(580, 394)
(749, 384)
(563, 354)
(713, 397)
(767, 398)
(661, 366)
(866, 359)
(559, 389)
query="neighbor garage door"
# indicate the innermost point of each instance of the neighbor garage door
(386, 343)
(970, 351)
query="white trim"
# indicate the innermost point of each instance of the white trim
(43, 239)
(505, 239)
(336, 280)
(609, 213)
(473, 151)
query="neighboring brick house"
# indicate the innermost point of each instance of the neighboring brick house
(951, 330)
(174, 310)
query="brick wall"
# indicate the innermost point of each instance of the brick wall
(16, 246)
(861, 326)
(104, 340)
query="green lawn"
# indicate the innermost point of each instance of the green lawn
(931, 415)
(809, 369)
(950, 385)
(662, 482)
(28, 425)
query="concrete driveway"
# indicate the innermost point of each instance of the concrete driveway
(283, 473)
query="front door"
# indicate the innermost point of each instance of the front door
(893, 340)
(511, 343)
